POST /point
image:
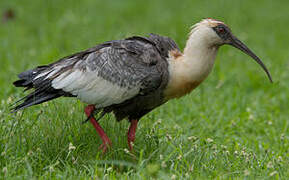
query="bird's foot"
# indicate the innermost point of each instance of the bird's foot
(131, 134)
(105, 146)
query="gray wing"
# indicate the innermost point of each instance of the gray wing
(109, 73)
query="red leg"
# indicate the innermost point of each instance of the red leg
(106, 141)
(131, 133)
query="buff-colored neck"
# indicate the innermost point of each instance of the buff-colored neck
(193, 66)
(199, 56)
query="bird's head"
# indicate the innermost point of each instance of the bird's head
(216, 34)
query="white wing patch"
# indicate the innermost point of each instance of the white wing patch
(92, 89)
(49, 73)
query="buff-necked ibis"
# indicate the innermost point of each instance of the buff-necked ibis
(131, 77)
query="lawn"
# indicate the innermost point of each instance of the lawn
(234, 125)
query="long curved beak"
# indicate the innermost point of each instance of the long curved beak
(234, 41)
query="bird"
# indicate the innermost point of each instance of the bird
(132, 76)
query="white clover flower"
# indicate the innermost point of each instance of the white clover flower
(209, 140)
(174, 177)
(109, 169)
(5, 170)
(3, 153)
(246, 172)
(270, 165)
(51, 168)
(192, 138)
(126, 150)
(273, 173)
(164, 165)
(71, 147)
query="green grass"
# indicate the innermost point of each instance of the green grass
(235, 125)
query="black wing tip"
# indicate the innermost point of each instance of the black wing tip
(15, 107)
(34, 98)
(20, 106)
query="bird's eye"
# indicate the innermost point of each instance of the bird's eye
(221, 30)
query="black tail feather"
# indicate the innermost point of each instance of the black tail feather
(43, 91)
(21, 83)
(33, 101)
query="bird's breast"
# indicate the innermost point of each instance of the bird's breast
(184, 76)
(179, 89)
(179, 83)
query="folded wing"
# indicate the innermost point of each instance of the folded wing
(107, 74)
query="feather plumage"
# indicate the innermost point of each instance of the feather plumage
(115, 76)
